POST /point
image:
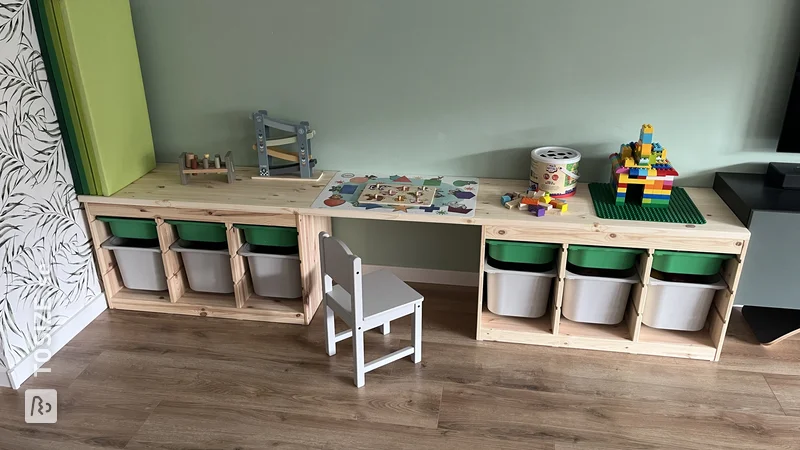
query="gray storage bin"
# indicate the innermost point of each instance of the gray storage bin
(141, 267)
(518, 294)
(207, 270)
(273, 275)
(679, 306)
(599, 300)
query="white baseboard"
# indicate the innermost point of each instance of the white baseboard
(60, 337)
(5, 381)
(413, 275)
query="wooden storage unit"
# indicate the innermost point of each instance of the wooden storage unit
(160, 195)
(629, 336)
(243, 303)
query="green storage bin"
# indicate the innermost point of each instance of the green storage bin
(688, 263)
(602, 257)
(522, 252)
(269, 236)
(200, 231)
(131, 228)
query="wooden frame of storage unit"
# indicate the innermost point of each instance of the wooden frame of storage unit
(159, 195)
(243, 303)
(630, 335)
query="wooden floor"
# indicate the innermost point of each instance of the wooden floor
(150, 381)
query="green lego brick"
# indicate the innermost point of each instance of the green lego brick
(681, 208)
(656, 202)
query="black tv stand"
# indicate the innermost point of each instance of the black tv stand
(770, 283)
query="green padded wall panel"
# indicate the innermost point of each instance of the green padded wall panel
(102, 65)
(63, 98)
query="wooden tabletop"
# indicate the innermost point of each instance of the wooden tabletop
(162, 188)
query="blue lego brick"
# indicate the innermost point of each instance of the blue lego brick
(656, 197)
(646, 138)
(657, 147)
(634, 172)
(505, 199)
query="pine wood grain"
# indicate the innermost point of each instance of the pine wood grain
(159, 193)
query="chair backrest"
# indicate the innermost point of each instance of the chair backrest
(339, 264)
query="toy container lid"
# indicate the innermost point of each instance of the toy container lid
(556, 155)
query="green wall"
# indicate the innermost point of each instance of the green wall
(469, 86)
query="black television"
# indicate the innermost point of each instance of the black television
(790, 133)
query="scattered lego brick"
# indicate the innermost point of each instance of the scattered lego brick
(538, 210)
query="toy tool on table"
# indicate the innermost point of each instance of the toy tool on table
(300, 161)
(191, 164)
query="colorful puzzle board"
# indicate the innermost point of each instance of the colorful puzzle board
(451, 195)
(392, 194)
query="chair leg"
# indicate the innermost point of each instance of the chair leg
(358, 357)
(330, 331)
(385, 328)
(416, 333)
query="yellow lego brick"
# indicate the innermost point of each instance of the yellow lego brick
(646, 149)
(635, 181)
(647, 128)
(563, 208)
(663, 192)
(646, 200)
(652, 173)
(628, 162)
(650, 191)
(623, 178)
(622, 190)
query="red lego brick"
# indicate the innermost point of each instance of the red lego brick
(667, 172)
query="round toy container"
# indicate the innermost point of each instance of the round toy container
(555, 170)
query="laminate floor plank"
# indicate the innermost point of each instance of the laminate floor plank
(742, 351)
(787, 390)
(155, 381)
(594, 374)
(198, 425)
(90, 417)
(279, 387)
(571, 419)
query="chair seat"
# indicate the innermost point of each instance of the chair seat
(382, 291)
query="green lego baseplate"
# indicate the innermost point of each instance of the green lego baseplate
(681, 208)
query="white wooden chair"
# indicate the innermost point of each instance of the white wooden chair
(364, 302)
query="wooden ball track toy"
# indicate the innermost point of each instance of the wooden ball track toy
(300, 161)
